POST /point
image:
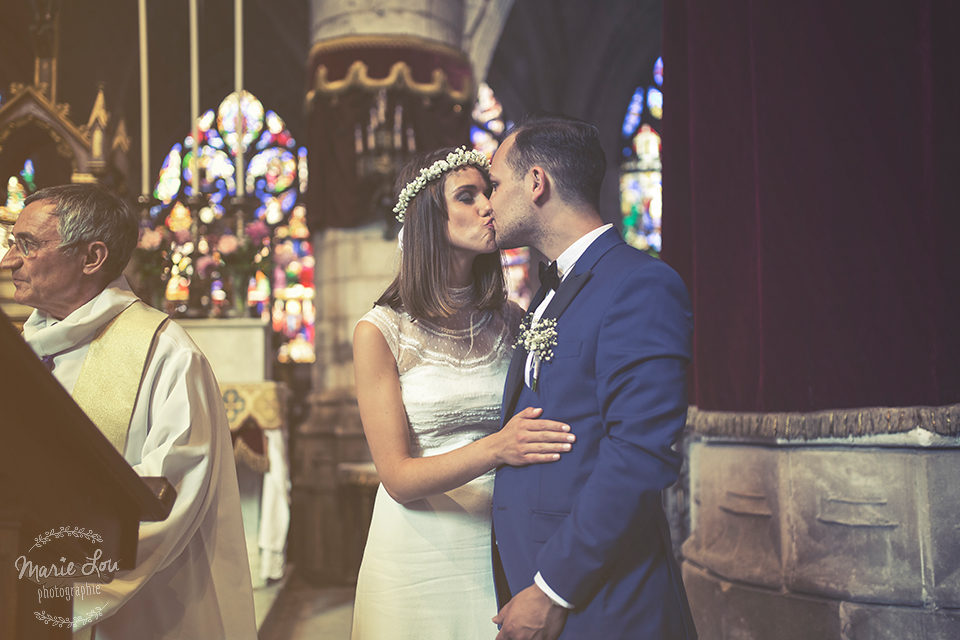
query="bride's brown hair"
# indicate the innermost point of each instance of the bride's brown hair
(420, 285)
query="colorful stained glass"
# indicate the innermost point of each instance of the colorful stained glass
(169, 184)
(634, 111)
(27, 174)
(641, 204)
(302, 168)
(655, 102)
(646, 144)
(16, 194)
(483, 141)
(215, 256)
(277, 166)
(641, 201)
(251, 122)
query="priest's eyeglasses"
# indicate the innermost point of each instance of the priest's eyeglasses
(26, 246)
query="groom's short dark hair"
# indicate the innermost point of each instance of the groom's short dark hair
(568, 148)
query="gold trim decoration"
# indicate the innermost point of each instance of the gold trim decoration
(258, 462)
(63, 147)
(385, 42)
(58, 114)
(265, 402)
(400, 75)
(120, 139)
(99, 114)
(112, 371)
(835, 423)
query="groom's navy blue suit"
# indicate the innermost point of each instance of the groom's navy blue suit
(592, 523)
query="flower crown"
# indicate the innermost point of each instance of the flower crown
(454, 160)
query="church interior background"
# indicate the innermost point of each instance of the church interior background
(804, 189)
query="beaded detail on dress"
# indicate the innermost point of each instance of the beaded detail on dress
(451, 370)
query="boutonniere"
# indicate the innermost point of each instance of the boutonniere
(538, 337)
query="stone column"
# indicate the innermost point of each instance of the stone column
(353, 268)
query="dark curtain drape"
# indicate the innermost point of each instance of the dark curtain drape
(810, 197)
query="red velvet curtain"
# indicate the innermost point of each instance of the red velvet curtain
(811, 161)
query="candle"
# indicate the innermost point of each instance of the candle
(398, 127)
(195, 97)
(238, 84)
(144, 104)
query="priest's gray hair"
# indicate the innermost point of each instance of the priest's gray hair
(90, 213)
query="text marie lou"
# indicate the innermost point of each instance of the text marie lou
(92, 566)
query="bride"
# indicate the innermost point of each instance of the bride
(430, 362)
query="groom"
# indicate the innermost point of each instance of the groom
(583, 543)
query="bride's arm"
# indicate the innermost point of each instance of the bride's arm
(524, 440)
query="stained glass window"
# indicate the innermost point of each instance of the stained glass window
(18, 188)
(217, 256)
(641, 200)
(488, 131)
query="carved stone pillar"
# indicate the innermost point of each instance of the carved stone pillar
(353, 268)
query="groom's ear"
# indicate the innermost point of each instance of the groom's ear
(539, 184)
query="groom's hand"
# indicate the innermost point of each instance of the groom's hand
(531, 615)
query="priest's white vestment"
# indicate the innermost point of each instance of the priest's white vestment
(192, 578)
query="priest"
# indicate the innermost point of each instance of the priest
(67, 252)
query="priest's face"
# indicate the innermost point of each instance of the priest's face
(48, 277)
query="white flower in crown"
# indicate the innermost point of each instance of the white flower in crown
(454, 160)
(538, 337)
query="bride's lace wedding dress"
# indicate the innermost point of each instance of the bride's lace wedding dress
(426, 571)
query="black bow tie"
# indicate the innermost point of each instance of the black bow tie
(549, 276)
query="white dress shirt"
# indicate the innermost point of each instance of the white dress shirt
(565, 264)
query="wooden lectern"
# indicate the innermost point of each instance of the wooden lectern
(58, 473)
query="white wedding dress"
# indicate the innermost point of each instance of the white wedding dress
(426, 571)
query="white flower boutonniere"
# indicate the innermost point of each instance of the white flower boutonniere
(538, 337)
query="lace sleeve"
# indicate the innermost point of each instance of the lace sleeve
(387, 320)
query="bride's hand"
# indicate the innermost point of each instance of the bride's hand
(526, 440)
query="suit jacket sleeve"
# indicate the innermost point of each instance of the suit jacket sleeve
(643, 348)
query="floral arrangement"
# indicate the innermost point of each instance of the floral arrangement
(175, 262)
(538, 337)
(454, 160)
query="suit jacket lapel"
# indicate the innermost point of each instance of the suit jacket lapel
(515, 372)
(569, 288)
(513, 384)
